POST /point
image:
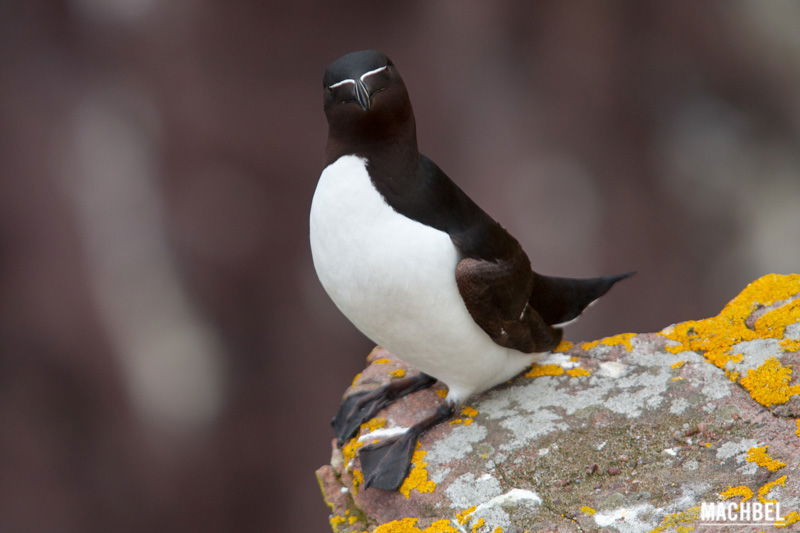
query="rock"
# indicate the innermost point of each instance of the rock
(628, 433)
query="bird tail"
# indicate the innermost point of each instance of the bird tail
(562, 300)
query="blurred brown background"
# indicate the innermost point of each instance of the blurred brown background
(168, 359)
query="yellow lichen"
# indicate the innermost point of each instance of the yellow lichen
(774, 322)
(350, 449)
(759, 456)
(544, 370)
(788, 520)
(406, 525)
(417, 478)
(335, 521)
(469, 411)
(358, 480)
(372, 424)
(399, 373)
(441, 393)
(563, 346)
(716, 336)
(678, 364)
(479, 524)
(355, 379)
(763, 492)
(745, 492)
(382, 361)
(674, 520)
(456, 421)
(440, 526)
(588, 510)
(623, 338)
(409, 525)
(578, 372)
(463, 516)
(677, 378)
(797, 431)
(790, 345)
(769, 383)
(498, 529)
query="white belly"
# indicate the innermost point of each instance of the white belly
(394, 278)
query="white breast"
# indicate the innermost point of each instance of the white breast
(394, 278)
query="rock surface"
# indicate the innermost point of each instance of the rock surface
(629, 433)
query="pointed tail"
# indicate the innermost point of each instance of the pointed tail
(562, 300)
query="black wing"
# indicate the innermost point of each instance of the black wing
(513, 304)
(494, 276)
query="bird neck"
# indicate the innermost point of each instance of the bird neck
(395, 145)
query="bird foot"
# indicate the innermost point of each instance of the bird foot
(361, 406)
(386, 464)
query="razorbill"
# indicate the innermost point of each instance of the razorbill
(417, 266)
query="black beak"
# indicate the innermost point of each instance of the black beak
(362, 95)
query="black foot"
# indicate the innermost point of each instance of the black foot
(361, 406)
(386, 464)
(354, 411)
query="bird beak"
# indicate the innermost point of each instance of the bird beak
(362, 95)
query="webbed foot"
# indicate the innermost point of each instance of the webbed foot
(361, 406)
(386, 464)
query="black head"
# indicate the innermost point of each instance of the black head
(365, 98)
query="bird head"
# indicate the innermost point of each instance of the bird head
(365, 97)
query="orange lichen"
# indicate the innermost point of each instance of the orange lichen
(769, 383)
(588, 510)
(478, 524)
(417, 478)
(678, 364)
(716, 336)
(441, 393)
(399, 373)
(578, 372)
(498, 529)
(767, 487)
(382, 361)
(745, 492)
(759, 456)
(543, 370)
(788, 520)
(623, 338)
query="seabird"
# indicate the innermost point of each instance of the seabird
(417, 266)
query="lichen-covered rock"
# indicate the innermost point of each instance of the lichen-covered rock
(628, 433)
